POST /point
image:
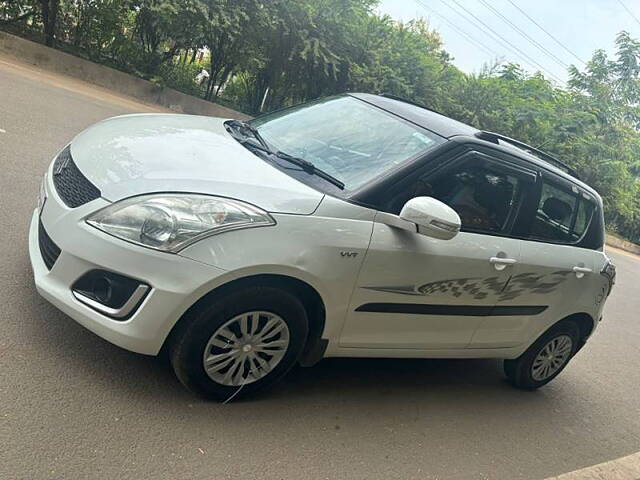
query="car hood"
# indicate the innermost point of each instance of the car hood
(138, 154)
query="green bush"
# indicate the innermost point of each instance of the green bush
(179, 76)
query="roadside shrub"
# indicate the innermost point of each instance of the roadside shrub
(180, 76)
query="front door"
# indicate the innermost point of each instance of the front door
(417, 292)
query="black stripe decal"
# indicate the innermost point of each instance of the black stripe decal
(455, 310)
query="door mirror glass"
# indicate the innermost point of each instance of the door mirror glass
(432, 217)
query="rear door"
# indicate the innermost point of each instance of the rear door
(553, 273)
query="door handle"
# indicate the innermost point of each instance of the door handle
(500, 263)
(580, 271)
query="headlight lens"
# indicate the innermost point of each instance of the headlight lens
(172, 221)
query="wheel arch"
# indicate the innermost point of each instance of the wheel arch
(585, 323)
(311, 299)
(583, 320)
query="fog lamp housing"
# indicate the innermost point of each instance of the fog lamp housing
(111, 294)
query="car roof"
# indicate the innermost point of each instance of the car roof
(432, 121)
(448, 128)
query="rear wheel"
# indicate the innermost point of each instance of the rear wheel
(239, 343)
(546, 358)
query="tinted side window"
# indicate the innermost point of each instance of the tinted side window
(481, 192)
(583, 218)
(562, 216)
(483, 196)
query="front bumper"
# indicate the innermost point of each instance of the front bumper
(176, 282)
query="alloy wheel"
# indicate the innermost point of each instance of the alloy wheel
(553, 356)
(246, 348)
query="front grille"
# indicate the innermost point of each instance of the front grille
(72, 186)
(48, 249)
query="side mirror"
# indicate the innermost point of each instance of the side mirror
(433, 218)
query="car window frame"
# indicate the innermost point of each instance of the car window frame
(372, 195)
(438, 165)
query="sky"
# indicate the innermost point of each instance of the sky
(580, 26)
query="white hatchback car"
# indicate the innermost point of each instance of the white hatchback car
(353, 226)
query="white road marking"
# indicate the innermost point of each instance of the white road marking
(2, 130)
(623, 468)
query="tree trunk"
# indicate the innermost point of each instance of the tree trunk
(170, 54)
(50, 9)
(207, 92)
(223, 79)
(214, 76)
(44, 6)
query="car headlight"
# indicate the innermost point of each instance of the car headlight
(172, 221)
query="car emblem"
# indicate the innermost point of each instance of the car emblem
(60, 166)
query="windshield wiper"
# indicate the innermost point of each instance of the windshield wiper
(309, 167)
(251, 129)
(263, 146)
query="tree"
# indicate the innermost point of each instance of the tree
(406, 60)
(49, 10)
(228, 31)
(14, 12)
(306, 49)
(164, 27)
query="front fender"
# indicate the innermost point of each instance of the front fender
(325, 252)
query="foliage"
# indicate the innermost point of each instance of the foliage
(229, 32)
(179, 76)
(263, 55)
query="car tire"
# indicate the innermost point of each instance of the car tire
(216, 327)
(546, 358)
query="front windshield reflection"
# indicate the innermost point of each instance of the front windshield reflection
(346, 137)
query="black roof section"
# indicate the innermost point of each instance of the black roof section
(421, 116)
(496, 137)
(447, 127)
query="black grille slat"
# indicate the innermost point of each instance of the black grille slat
(72, 186)
(48, 249)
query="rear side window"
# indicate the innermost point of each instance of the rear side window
(562, 216)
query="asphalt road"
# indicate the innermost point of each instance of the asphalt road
(73, 406)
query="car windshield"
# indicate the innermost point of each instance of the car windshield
(351, 140)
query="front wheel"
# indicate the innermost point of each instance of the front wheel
(239, 343)
(545, 359)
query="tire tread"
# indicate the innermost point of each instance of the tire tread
(198, 325)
